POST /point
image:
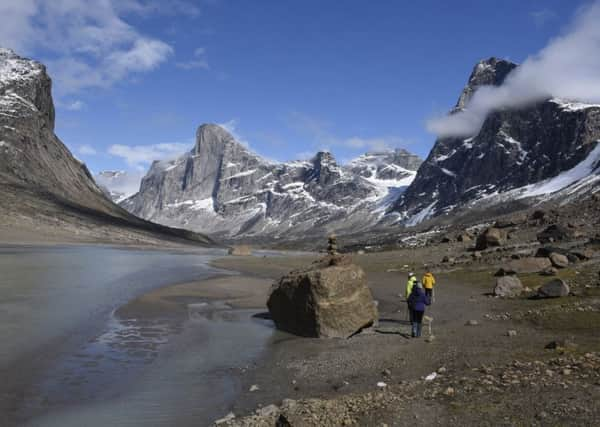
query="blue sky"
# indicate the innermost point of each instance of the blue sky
(134, 78)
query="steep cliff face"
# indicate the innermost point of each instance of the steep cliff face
(220, 187)
(43, 188)
(513, 149)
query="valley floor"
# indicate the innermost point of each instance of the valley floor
(483, 375)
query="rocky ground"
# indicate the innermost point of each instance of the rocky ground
(492, 361)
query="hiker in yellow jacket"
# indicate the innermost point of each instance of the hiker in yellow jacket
(412, 279)
(428, 284)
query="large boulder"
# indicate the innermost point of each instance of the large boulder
(559, 260)
(326, 300)
(508, 286)
(489, 238)
(553, 289)
(529, 265)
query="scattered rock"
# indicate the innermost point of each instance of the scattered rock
(558, 260)
(553, 289)
(554, 233)
(472, 323)
(254, 387)
(386, 373)
(268, 411)
(431, 376)
(491, 237)
(449, 391)
(448, 259)
(529, 265)
(464, 237)
(508, 286)
(230, 416)
(476, 255)
(331, 301)
(511, 333)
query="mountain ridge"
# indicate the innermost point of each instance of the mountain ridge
(221, 186)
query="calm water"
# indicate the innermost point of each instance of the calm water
(66, 360)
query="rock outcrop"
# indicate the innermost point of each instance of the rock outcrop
(222, 188)
(491, 237)
(508, 286)
(553, 289)
(329, 299)
(514, 149)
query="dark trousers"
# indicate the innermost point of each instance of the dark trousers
(429, 293)
(416, 320)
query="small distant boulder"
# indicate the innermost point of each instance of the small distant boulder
(511, 221)
(464, 237)
(554, 233)
(546, 251)
(538, 215)
(326, 300)
(240, 250)
(553, 289)
(559, 260)
(491, 237)
(529, 265)
(508, 286)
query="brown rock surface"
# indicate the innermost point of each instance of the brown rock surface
(323, 301)
(529, 265)
(489, 238)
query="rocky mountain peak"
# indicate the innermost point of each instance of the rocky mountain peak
(487, 72)
(25, 87)
(212, 139)
(325, 168)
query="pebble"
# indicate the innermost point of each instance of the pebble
(511, 333)
(472, 323)
(254, 387)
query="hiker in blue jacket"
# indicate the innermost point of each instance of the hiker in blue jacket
(417, 301)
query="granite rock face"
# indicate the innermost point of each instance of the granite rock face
(514, 149)
(222, 188)
(328, 300)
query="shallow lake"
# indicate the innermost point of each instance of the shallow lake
(66, 359)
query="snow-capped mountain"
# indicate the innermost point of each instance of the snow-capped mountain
(222, 188)
(43, 187)
(533, 151)
(118, 185)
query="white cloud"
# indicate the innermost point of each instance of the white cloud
(87, 150)
(568, 67)
(199, 61)
(140, 156)
(87, 43)
(75, 105)
(319, 131)
(542, 17)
